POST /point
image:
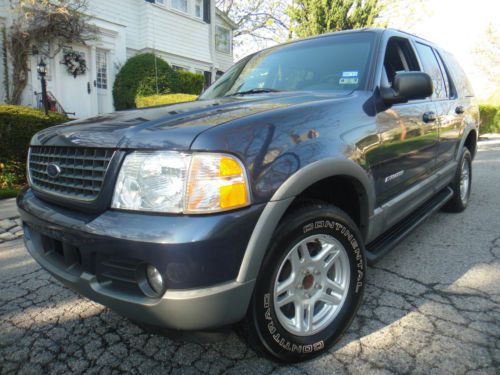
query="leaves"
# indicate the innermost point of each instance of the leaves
(313, 17)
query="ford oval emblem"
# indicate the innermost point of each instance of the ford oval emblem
(53, 170)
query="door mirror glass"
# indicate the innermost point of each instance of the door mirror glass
(407, 86)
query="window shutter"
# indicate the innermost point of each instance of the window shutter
(206, 11)
(150, 1)
(208, 78)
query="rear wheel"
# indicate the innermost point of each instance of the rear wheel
(310, 286)
(461, 184)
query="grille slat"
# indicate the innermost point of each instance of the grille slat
(82, 170)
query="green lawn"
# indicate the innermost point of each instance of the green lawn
(9, 193)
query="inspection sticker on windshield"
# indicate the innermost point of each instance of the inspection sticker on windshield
(348, 81)
(350, 73)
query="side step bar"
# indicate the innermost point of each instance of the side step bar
(376, 249)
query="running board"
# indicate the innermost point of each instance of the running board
(376, 249)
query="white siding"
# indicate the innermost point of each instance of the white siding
(175, 33)
(123, 12)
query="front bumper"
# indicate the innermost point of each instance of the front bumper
(99, 256)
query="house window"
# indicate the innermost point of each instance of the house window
(161, 2)
(102, 70)
(198, 8)
(222, 39)
(181, 5)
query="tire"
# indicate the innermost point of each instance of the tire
(334, 245)
(461, 184)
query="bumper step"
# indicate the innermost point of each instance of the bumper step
(376, 249)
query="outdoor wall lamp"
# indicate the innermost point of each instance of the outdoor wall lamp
(42, 72)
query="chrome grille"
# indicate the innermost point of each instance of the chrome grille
(82, 170)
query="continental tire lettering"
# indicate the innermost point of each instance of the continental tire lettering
(339, 227)
(280, 340)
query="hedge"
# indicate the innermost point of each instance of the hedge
(137, 78)
(155, 100)
(17, 125)
(490, 119)
(191, 83)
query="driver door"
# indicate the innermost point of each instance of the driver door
(408, 132)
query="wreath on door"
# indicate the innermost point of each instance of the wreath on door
(75, 63)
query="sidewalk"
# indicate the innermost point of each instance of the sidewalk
(8, 208)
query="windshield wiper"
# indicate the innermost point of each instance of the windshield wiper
(254, 91)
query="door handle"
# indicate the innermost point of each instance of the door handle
(429, 117)
(459, 110)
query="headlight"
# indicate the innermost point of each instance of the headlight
(172, 182)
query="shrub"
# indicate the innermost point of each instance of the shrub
(17, 125)
(137, 77)
(155, 100)
(490, 118)
(191, 83)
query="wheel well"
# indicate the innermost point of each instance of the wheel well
(471, 142)
(343, 192)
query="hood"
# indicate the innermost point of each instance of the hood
(172, 127)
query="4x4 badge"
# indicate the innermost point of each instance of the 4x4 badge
(53, 170)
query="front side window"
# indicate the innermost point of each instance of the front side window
(334, 63)
(180, 5)
(431, 67)
(399, 57)
(222, 39)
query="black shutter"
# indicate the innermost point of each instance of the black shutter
(150, 1)
(206, 11)
(208, 78)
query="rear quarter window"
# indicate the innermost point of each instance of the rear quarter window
(458, 76)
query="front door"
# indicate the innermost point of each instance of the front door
(408, 132)
(102, 86)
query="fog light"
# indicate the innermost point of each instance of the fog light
(154, 278)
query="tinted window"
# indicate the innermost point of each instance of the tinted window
(458, 77)
(399, 57)
(337, 62)
(444, 72)
(431, 67)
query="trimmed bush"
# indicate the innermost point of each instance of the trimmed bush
(191, 83)
(156, 100)
(17, 125)
(137, 77)
(490, 119)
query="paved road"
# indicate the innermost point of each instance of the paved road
(432, 306)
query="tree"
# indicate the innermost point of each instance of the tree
(47, 25)
(313, 17)
(143, 75)
(487, 53)
(258, 21)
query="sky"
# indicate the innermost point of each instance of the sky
(455, 25)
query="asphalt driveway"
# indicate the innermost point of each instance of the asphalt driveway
(432, 306)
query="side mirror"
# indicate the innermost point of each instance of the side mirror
(407, 86)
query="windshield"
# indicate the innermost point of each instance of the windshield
(337, 62)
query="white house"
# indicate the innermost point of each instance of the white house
(189, 34)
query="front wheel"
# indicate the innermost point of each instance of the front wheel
(310, 285)
(461, 184)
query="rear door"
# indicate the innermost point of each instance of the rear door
(408, 132)
(449, 112)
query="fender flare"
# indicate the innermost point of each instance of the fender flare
(283, 198)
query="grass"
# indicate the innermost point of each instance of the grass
(9, 193)
(156, 100)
